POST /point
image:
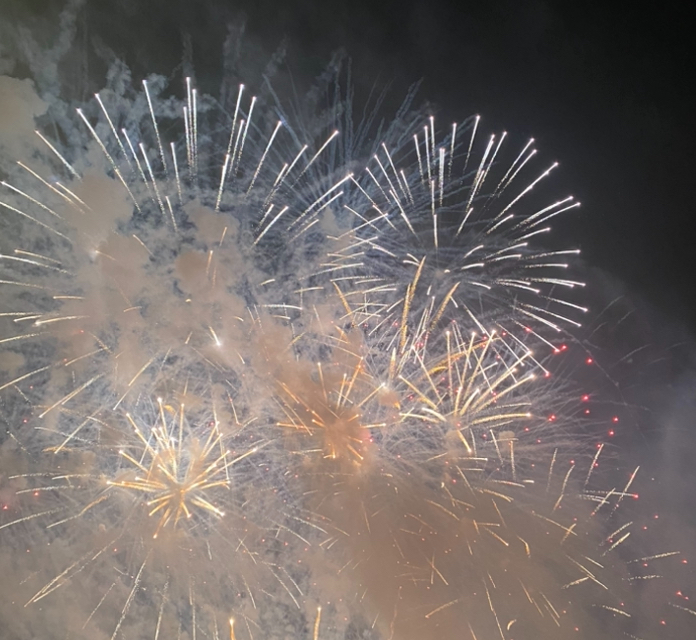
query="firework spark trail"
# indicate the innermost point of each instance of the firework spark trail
(452, 375)
(342, 332)
(471, 542)
(122, 315)
(165, 499)
(131, 324)
(440, 498)
(467, 251)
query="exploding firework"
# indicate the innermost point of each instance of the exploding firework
(436, 501)
(165, 500)
(446, 244)
(248, 362)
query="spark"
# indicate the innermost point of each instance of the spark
(362, 335)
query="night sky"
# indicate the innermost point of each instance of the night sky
(605, 91)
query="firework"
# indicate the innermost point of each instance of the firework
(437, 501)
(145, 269)
(166, 501)
(249, 361)
(459, 232)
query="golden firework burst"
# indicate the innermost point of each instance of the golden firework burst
(178, 472)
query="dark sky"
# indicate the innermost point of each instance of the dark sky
(605, 88)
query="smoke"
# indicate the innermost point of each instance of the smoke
(237, 380)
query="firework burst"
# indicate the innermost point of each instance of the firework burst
(449, 517)
(162, 500)
(459, 234)
(341, 341)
